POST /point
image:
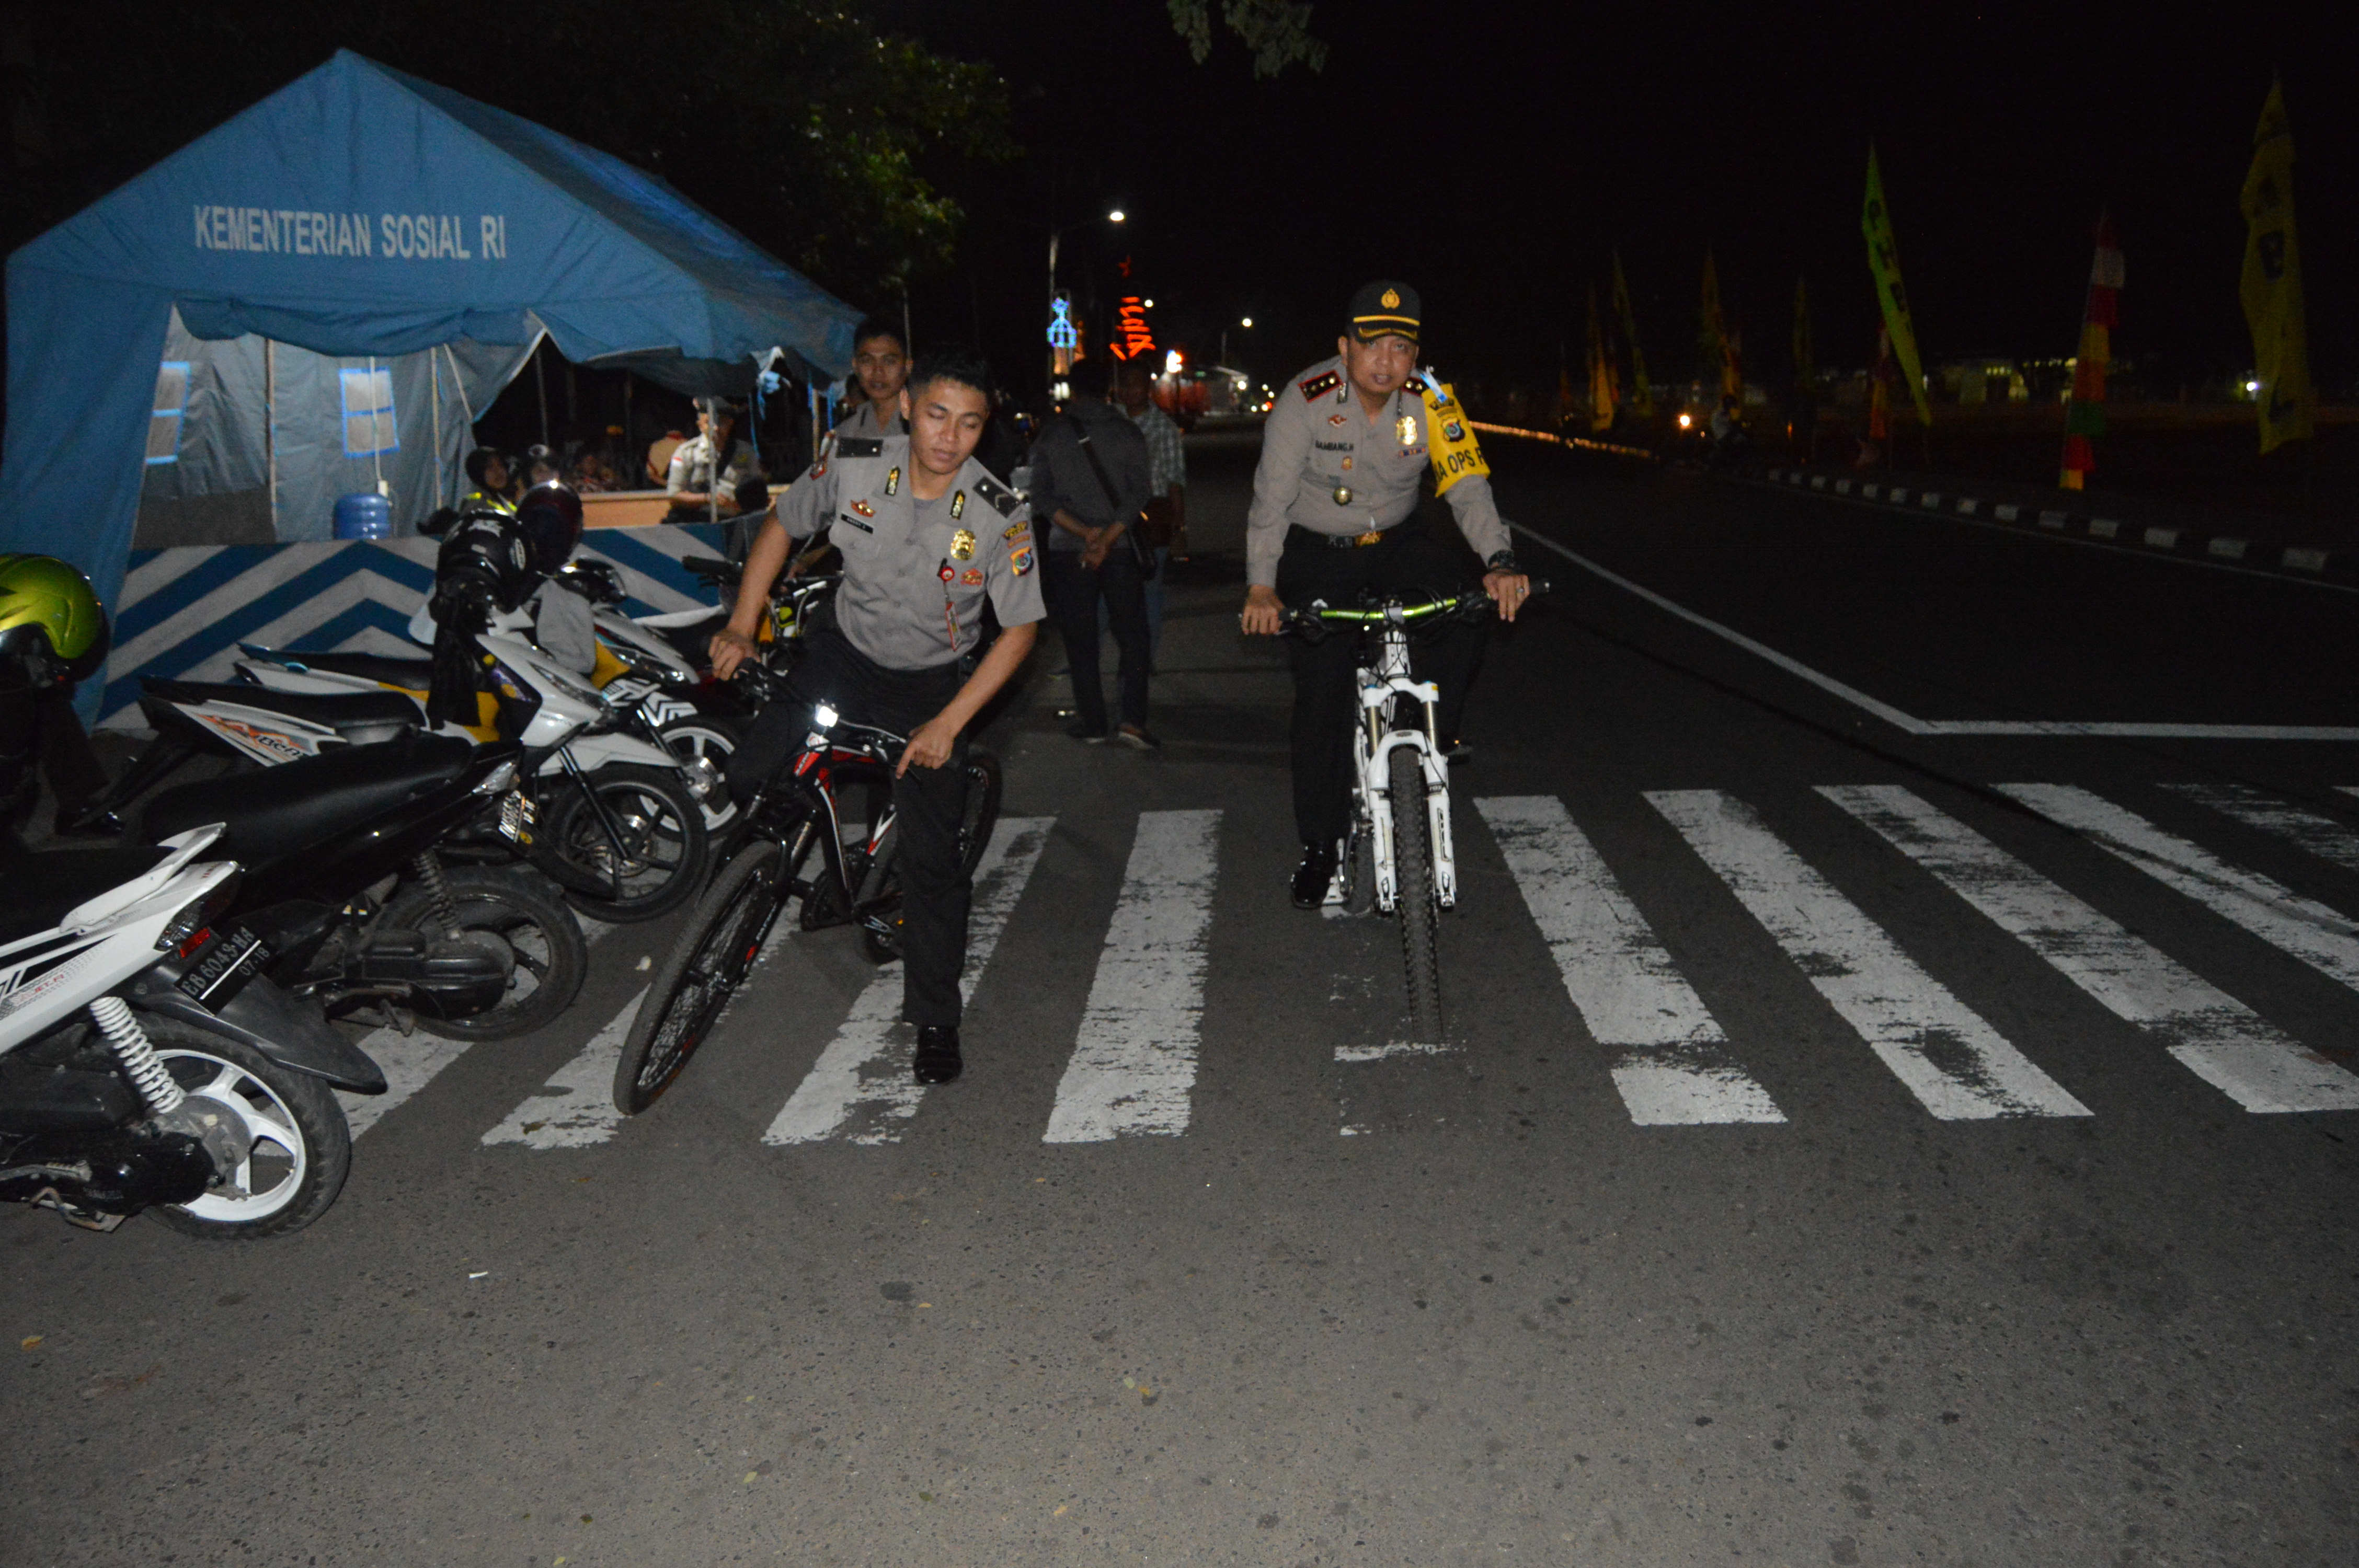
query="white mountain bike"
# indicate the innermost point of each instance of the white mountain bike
(1399, 856)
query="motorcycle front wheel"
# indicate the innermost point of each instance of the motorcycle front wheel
(629, 846)
(710, 738)
(302, 1148)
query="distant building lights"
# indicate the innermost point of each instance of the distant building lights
(2254, 386)
(1172, 364)
(1247, 322)
(1116, 216)
(1150, 305)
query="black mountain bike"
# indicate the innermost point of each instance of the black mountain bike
(822, 832)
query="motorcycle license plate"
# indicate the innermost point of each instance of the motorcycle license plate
(227, 962)
(515, 817)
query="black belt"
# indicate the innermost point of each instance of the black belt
(1344, 541)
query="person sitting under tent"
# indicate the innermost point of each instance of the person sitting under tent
(487, 470)
(706, 472)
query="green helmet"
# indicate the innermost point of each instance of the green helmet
(50, 620)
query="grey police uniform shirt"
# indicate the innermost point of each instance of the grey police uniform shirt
(692, 468)
(1326, 466)
(917, 573)
(862, 422)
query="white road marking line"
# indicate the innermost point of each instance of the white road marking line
(2319, 937)
(1395, 1048)
(2218, 1038)
(1957, 1065)
(2320, 835)
(1910, 724)
(577, 1108)
(865, 1066)
(409, 1063)
(1670, 1059)
(1134, 1061)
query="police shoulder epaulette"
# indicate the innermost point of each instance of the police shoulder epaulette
(998, 494)
(860, 446)
(1315, 388)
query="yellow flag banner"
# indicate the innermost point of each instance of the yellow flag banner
(1883, 260)
(1601, 372)
(2271, 284)
(1719, 342)
(1642, 392)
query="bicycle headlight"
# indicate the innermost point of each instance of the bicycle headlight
(824, 717)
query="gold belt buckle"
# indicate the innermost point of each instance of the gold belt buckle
(1364, 540)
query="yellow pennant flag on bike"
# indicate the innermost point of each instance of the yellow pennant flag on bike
(2271, 284)
(1883, 260)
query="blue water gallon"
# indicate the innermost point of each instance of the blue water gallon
(364, 517)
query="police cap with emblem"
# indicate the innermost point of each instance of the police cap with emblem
(1385, 309)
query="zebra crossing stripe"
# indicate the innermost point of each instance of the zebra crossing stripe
(1953, 1061)
(2218, 1038)
(1670, 1062)
(1135, 1063)
(411, 1061)
(2319, 937)
(865, 1067)
(577, 1108)
(2321, 836)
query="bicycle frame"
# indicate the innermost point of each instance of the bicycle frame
(1383, 687)
(1377, 737)
(812, 778)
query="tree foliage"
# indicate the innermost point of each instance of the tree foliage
(793, 121)
(1277, 31)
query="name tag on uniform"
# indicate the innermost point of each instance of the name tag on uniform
(848, 519)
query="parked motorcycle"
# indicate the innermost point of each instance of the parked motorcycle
(148, 1063)
(346, 851)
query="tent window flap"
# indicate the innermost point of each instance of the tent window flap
(171, 404)
(369, 427)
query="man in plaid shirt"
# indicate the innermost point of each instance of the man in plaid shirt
(1167, 460)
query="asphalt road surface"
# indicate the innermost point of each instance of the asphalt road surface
(1858, 1140)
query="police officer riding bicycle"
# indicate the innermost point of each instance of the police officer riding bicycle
(1344, 452)
(928, 538)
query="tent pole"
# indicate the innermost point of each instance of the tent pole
(376, 452)
(540, 386)
(434, 369)
(270, 424)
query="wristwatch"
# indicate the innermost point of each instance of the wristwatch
(1501, 561)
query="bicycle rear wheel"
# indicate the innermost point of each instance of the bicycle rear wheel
(1419, 909)
(697, 979)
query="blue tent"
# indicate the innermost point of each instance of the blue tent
(322, 277)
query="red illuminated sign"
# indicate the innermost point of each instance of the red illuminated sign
(1130, 325)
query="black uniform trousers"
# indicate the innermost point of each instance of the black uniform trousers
(1072, 591)
(1406, 560)
(930, 803)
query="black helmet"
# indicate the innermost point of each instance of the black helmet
(550, 517)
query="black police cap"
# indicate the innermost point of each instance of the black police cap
(1386, 308)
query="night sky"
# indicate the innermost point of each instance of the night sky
(1494, 153)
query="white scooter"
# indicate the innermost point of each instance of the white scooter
(145, 1064)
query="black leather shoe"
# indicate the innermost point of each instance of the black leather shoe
(937, 1060)
(1312, 877)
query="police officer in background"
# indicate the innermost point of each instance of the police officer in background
(927, 537)
(698, 493)
(1343, 454)
(880, 369)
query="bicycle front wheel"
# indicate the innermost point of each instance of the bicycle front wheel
(696, 981)
(1419, 909)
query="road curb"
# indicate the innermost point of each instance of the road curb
(2299, 562)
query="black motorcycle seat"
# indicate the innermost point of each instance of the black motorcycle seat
(413, 673)
(348, 714)
(277, 813)
(36, 891)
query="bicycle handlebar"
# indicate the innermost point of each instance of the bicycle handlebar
(1394, 611)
